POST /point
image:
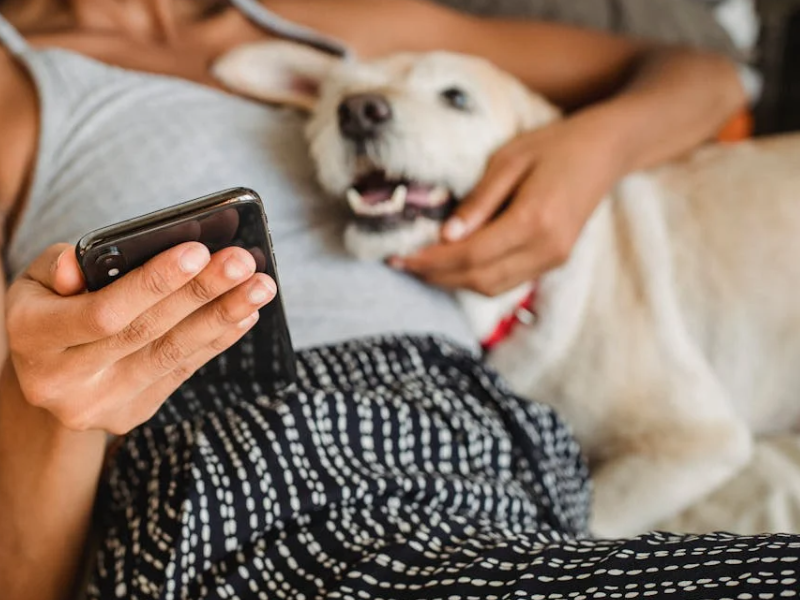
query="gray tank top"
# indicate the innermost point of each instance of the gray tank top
(116, 143)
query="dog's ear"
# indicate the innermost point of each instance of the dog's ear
(532, 109)
(277, 72)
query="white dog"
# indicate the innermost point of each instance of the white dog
(672, 334)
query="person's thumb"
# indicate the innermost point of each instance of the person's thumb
(497, 185)
(57, 269)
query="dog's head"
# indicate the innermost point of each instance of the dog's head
(401, 139)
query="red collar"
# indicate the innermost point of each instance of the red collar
(524, 313)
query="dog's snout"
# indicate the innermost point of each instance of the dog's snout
(362, 115)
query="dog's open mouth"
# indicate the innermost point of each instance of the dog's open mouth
(381, 203)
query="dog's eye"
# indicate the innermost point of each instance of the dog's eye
(456, 98)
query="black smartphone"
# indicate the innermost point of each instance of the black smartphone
(233, 217)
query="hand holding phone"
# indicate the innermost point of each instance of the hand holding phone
(108, 359)
(230, 218)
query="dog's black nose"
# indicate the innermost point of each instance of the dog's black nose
(362, 115)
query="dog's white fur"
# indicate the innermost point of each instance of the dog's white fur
(672, 334)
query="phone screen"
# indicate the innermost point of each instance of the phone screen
(109, 253)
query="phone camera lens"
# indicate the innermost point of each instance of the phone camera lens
(111, 262)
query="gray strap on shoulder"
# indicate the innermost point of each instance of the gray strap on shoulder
(284, 28)
(11, 38)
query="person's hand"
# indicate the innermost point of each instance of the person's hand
(526, 213)
(107, 360)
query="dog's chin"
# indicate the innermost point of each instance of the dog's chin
(370, 244)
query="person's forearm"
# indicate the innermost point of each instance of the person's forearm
(676, 100)
(568, 65)
(571, 66)
(48, 481)
(651, 103)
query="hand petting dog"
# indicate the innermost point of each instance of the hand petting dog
(525, 215)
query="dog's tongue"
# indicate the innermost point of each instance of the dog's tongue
(377, 195)
(417, 194)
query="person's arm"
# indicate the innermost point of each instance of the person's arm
(48, 480)
(89, 363)
(572, 66)
(667, 99)
(76, 374)
(659, 101)
(48, 474)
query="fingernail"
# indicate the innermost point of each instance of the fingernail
(193, 259)
(454, 229)
(234, 268)
(248, 320)
(260, 292)
(273, 289)
(57, 263)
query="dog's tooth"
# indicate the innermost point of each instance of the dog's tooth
(438, 195)
(355, 200)
(391, 206)
(398, 201)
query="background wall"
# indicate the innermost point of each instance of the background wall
(778, 59)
